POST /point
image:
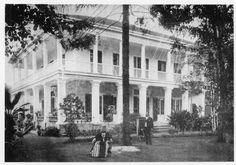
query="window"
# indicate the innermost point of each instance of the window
(137, 62)
(177, 68)
(136, 100)
(99, 56)
(51, 46)
(88, 99)
(116, 59)
(136, 92)
(91, 55)
(136, 104)
(100, 104)
(162, 66)
(162, 106)
(53, 100)
(176, 104)
(147, 64)
(147, 105)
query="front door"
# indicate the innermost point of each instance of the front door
(158, 109)
(155, 108)
(109, 104)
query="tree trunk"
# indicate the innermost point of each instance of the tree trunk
(125, 75)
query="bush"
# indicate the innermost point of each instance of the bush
(181, 120)
(71, 131)
(52, 131)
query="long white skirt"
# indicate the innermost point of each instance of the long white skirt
(96, 152)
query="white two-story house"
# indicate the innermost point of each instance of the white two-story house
(48, 74)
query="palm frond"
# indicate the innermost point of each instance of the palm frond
(7, 99)
(16, 99)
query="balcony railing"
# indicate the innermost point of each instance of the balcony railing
(113, 70)
(107, 69)
(32, 75)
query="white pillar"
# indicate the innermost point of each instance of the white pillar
(61, 94)
(13, 74)
(18, 71)
(95, 101)
(34, 61)
(47, 105)
(25, 99)
(45, 55)
(35, 102)
(167, 104)
(185, 68)
(169, 68)
(143, 62)
(95, 55)
(203, 101)
(185, 101)
(120, 59)
(151, 107)
(25, 66)
(59, 54)
(142, 100)
(119, 103)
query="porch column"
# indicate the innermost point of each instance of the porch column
(45, 55)
(25, 99)
(95, 55)
(25, 66)
(13, 74)
(34, 61)
(59, 54)
(119, 103)
(185, 68)
(18, 71)
(185, 101)
(169, 68)
(120, 59)
(35, 102)
(167, 104)
(143, 61)
(151, 107)
(203, 101)
(47, 105)
(61, 94)
(143, 100)
(95, 101)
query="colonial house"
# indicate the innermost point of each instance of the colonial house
(48, 74)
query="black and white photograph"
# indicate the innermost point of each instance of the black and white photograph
(105, 82)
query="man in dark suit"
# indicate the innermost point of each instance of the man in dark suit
(147, 129)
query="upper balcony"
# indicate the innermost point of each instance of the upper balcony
(147, 63)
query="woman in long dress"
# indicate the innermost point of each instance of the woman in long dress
(101, 145)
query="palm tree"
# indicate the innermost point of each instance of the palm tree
(125, 75)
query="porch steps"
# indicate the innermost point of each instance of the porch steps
(163, 128)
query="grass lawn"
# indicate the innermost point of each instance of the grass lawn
(198, 148)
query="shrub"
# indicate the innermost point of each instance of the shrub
(206, 123)
(180, 120)
(71, 131)
(52, 131)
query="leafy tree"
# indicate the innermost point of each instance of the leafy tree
(214, 45)
(23, 23)
(73, 108)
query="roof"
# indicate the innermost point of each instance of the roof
(114, 23)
